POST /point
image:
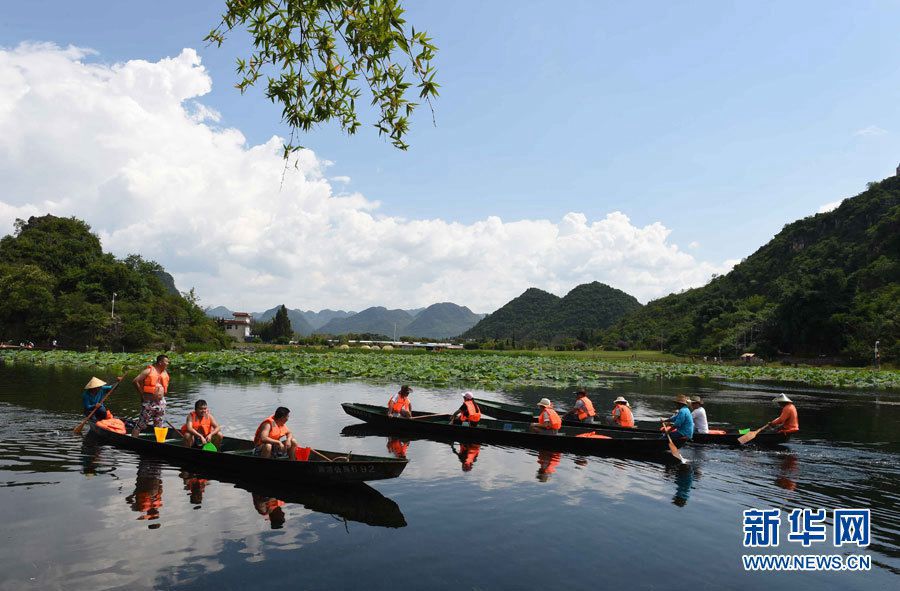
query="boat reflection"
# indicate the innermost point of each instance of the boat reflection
(147, 498)
(467, 454)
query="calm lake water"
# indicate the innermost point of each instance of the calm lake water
(76, 515)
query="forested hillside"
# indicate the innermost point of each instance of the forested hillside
(825, 285)
(56, 283)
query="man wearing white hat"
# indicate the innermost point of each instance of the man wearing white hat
(786, 422)
(621, 413)
(548, 421)
(94, 391)
(469, 412)
(701, 425)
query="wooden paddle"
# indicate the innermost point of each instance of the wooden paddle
(77, 430)
(440, 414)
(745, 439)
(673, 449)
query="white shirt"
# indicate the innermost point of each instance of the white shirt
(700, 424)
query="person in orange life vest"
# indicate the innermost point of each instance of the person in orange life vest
(201, 427)
(273, 438)
(583, 409)
(398, 405)
(548, 421)
(787, 421)
(152, 384)
(467, 454)
(397, 447)
(548, 461)
(469, 411)
(621, 413)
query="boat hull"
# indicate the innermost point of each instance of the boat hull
(235, 460)
(517, 434)
(511, 412)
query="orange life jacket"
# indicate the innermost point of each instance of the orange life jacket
(202, 426)
(275, 432)
(398, 403)
(548, 416)
(397, 447)
(587, 411)
(472, 414)
(468, 453)
(153, 378)
(622, 416)
(788, 419)
(111, 424)
(594, 435)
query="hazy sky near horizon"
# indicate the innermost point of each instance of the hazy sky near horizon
(644, 145)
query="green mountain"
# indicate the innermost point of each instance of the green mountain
(319, 319)
(517, 318)
(585, 310)
(826, 285)
(56, 283)
(299, 325)
(441, 321)
(376, 320)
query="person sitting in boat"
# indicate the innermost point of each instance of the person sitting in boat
(583, 409)
(682, 423)
(201, 427)
(621, 413)
(469, 412)
(548, 421)
(698, 413)
(787, 421)
(273, 438)
(398, 405)
(94, 391)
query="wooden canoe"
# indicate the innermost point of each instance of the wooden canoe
(514, 412)
(235, 458)
(516, 433)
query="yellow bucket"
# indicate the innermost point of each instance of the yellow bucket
(161, 433)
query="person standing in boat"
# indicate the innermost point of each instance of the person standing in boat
(698, 413)
(469, 412)
(682, 422)
(621, 413)
(787, 421)
(201, 427)
(152, 384)
(94, 391)
(273, 438)
(548, 421)
(583, 409)
(398, 405)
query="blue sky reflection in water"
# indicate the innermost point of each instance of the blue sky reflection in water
(82, 516)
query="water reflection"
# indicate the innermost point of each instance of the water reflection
(147, 498)
(271, 510)
(467, 454)
(787, 471)
(547, 462)
(684, 482)
(195, 486)
(398, 447)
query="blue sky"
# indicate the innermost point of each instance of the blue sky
(722, 121)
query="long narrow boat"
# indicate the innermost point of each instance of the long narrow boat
(235, 458)
(514, 412)
(572, 439)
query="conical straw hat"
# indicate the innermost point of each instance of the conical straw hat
(94, 383)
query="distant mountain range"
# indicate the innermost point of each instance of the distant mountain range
(540, 316)
(438, 321)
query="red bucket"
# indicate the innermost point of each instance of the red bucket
(302, 453)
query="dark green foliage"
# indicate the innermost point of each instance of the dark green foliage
(378, 320)
(278, 330)
(57, 283)
(826, 285)
(538, 317)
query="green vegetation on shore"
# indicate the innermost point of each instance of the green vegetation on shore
(452, 368)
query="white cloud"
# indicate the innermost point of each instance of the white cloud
(870, 131)
(128, 148)
(694, 245)
(830, 206)
(340, 179)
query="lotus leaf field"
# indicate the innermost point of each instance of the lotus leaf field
(460, 368)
